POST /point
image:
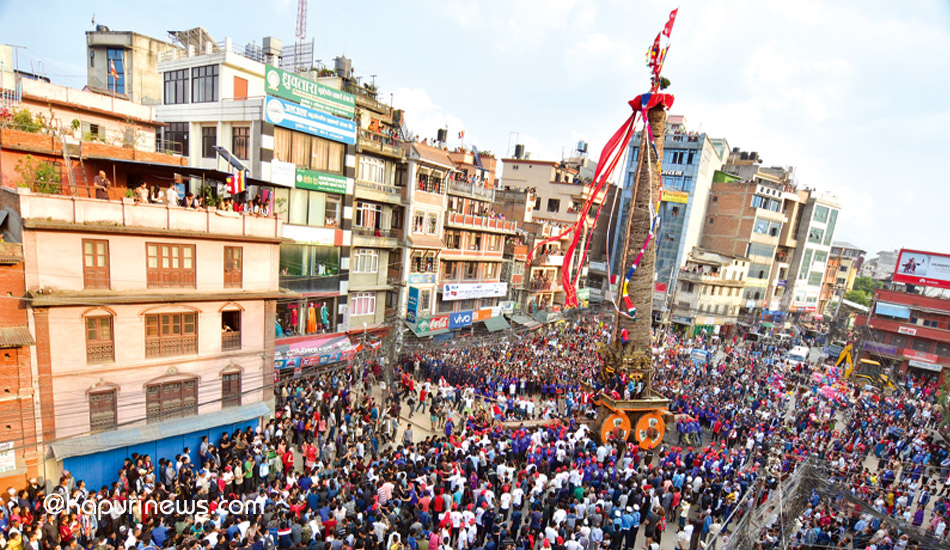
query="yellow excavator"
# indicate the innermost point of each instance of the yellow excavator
(867, 372)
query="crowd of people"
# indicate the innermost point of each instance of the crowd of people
(488, 447)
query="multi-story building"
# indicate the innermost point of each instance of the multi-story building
(190, 294)
(559, 194)
(815, 227)
(908, 332)
(474, 237)
(689, 161)
(844, 261)
(125, 64)
(708, 293)
(18, 449)
(230, 108)
(173, 310)
(89, 124)
(744, 219)
(379, 214)
(880, 267)
(428, 174)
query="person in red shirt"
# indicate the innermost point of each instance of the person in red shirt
(288, 460)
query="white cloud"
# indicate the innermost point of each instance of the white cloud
(599, 49)
(424, 117)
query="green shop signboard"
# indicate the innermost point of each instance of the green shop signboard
(318, 181)
(308, 93)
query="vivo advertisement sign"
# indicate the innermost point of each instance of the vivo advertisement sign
(460, 319)
(304, 119)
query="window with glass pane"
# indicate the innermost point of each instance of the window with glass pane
(176, 87)
(204, 84)
(333, 211)
(95, 264)
(100, 346)
(209, 138)
(372, 169)
(814, 278)
(240, 142)
(233, 266)
(317, 209)
(821, 213)
(282, 142)
(761, 226)
(366, 260)
(369, 215)
(170, 265)
(832, 220)
(171, 334)
(176, 137)
(116, 59)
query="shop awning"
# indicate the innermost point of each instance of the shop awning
(423, 333)
(525, 321)
(767, 324)
(892, 310)
(494, 324)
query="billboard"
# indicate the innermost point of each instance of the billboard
(413, 305)
(460, 319)
(922, 268)
(467, 291)
(311, 121)
(308, 93)
(320, 181)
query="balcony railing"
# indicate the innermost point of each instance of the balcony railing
(395, 192)
(542, 285)
(100, 353)
(371, 232)
(171, 346)
(472, 190)
(381, 143)
(230, 340)
(82, 210)
(480, 222)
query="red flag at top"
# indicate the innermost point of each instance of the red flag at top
(669, 24)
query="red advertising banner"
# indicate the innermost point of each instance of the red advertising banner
(922, 268)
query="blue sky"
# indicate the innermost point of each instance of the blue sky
(854, 94)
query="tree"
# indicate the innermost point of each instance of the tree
(943, 398)
(866, 285)
(858, 297)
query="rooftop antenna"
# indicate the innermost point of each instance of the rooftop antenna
(301, 31)
(93, 20)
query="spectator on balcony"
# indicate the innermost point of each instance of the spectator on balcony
(171, 196)
(101, 184)
(141, 193)
(191, 201)
(156, 196)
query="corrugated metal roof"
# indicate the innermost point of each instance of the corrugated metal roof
(126, 437)
(14, 337)
(10, 253)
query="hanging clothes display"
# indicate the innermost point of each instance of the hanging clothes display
(311, 319)
(294, 319)
(324, 316)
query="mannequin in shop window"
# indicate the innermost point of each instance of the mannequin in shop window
(311, 318)
(291, 317)
(324, 317)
